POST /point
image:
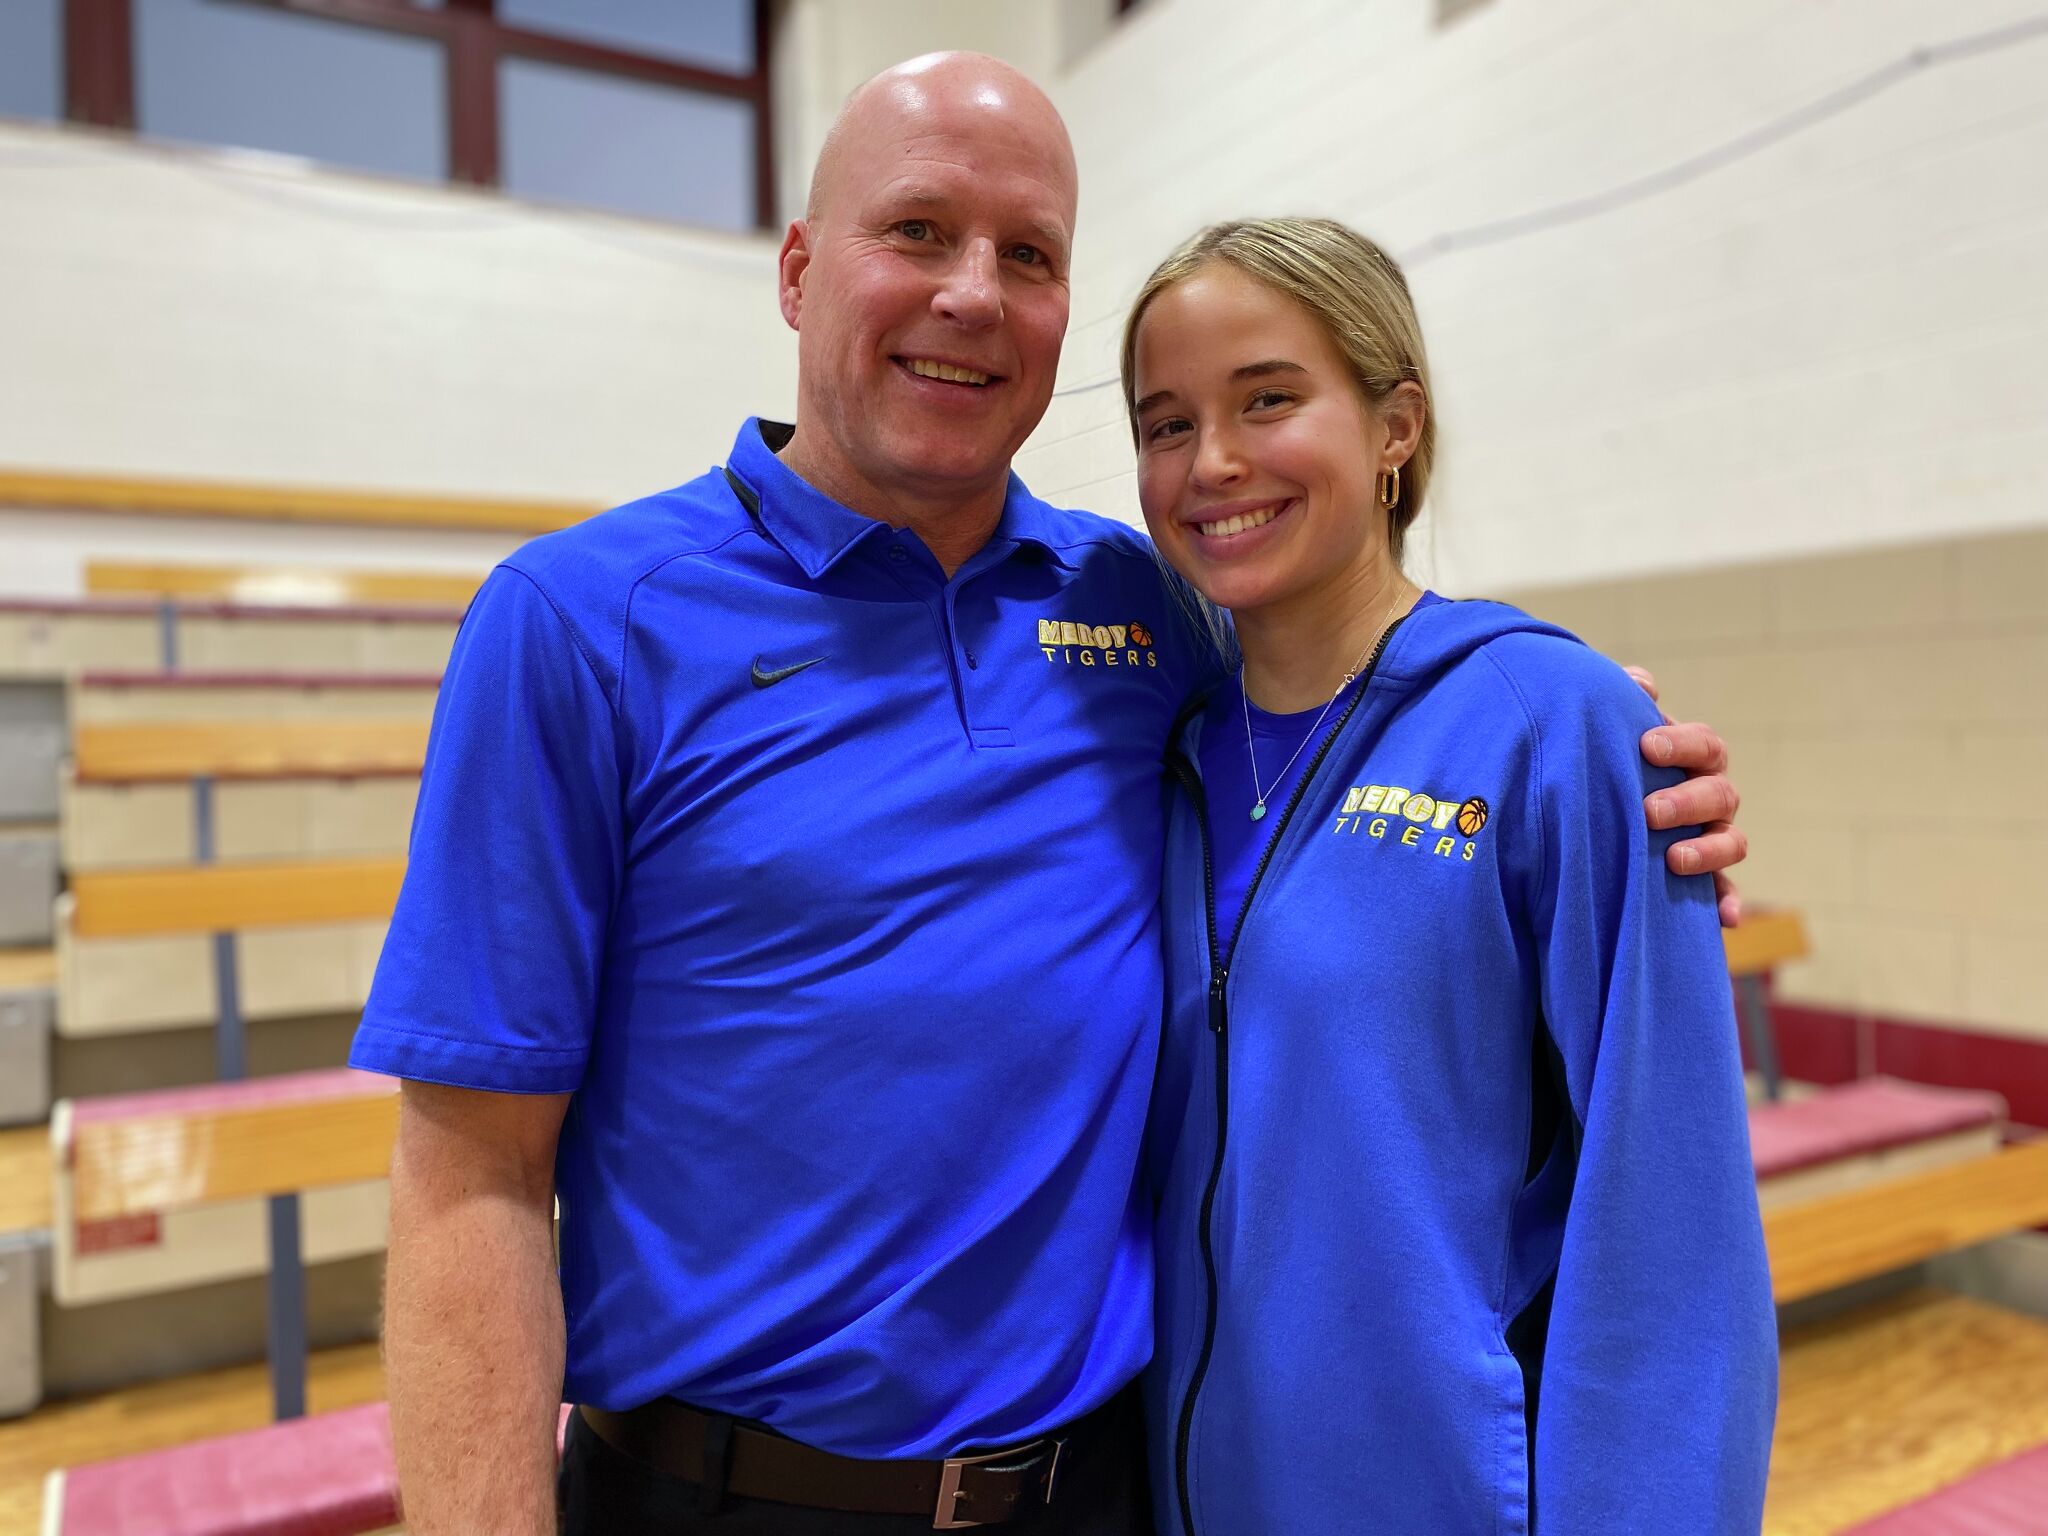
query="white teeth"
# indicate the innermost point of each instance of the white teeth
(930, 370)
(1241, 523)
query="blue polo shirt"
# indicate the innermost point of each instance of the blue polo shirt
(828, 886)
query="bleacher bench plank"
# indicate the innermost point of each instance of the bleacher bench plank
(224, 898)
(157, 751)
(1844, 1137)
(328, 1475)
(27, 970)
(134, 1154)
(25, 1183)
(1819, 1245)
(1763, 941)
(1889, 1402)
(49, 489)
(311, 586)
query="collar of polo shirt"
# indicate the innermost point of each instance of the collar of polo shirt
(817, 532)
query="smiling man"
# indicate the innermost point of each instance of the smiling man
(783, 899)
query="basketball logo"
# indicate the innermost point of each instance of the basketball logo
(1140, 635)
(1472, 816)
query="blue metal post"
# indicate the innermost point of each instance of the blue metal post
(287, 1330)
(230, 1040)
(1756, 1025)
(167, 633)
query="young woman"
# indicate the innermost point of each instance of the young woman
(1458, 1230)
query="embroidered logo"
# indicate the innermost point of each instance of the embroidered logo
(1096, 645)
(1375, 808)
(765, 678)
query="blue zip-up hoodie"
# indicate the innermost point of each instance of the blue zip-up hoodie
(1450, 1146)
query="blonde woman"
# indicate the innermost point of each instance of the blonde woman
(1457, 1227)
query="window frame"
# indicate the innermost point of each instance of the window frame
(99, 71)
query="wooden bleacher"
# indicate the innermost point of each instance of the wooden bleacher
(304, 775)
(24, 969)
(56, 637)
(151, 1154)
(229, 898)
(60, 491)
(163, 1415)
(1825, 1244)
(27, 1190)
(312, 586)
(150, 752)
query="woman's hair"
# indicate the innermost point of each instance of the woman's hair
(1351, 286)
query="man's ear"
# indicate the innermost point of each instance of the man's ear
(791, 264)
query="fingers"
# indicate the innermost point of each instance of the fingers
(1729, 900)
(1694, 803)
(1693, 746)
(1645, 679)
(1721, 846)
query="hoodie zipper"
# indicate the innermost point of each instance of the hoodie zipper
(1219, 976)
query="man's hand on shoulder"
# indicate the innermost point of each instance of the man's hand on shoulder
(1707, 799)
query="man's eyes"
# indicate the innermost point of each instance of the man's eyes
(920, 232)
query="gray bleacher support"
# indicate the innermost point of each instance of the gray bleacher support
(31, 748)
(28, 885)
(26, 1020)
(22, 1260)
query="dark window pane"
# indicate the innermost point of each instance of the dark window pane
(31, 59)
(719, 34)
(570, 136)
(234, 74)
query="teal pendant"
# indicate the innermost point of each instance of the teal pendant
(1258, 810)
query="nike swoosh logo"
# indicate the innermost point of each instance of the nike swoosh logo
(764, 678)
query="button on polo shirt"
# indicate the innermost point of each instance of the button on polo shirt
(827, 884)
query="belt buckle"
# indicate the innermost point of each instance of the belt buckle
(954, 1467)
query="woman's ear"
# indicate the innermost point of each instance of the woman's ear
(1403, 413)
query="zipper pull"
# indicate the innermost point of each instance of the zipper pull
(1216, 981)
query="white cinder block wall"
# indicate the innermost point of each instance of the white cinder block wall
(1833, 343)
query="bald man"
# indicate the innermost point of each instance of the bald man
(782, 899)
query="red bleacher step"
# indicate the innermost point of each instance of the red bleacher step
(2008, 1498)
(1856, 1119)
(328, 1475)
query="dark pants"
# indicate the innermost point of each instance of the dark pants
(603, 1492)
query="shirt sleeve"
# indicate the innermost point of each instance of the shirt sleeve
(489, 976)
(1659, 1380)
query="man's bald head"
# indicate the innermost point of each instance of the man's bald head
(928, 288)
(938, 93)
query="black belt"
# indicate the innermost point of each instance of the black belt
(986, 1488)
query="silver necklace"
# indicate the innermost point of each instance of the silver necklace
(1244, 698)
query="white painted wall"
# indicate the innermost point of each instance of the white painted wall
(1836, 342)
(230, 317)
(824, 48)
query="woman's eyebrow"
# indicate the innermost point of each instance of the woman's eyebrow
(1262, 370)
(1157, 397)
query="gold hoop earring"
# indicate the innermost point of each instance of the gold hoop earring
(1390, 489)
